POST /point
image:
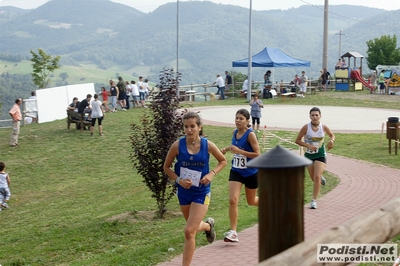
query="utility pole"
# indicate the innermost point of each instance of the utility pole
(250, 63)
(340, 42)
(325, 49)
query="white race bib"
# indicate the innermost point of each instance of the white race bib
(239, 161)
(314, 143)
(195, 176)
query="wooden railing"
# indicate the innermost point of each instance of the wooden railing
(378, 226)
(205, 89)
(5, 121)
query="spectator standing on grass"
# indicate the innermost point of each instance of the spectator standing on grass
(374, 81)
(5, 192)
(15, 113)
(303, 84)
(135, 94)
(221, 86)
(245, 87)
(146, 90)
(97, 113)
(34, 114)
(382, 82)
(128, 94)
(122, 93)
(104, 96)
(327, 77)
(142, 91)
(113, 95)
(228, 81)
(311, 137)
(193, 178)
(256, 105)
(322, 78)
(244, 147)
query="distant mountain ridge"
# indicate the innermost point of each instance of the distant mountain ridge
(211, 35)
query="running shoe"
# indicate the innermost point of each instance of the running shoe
(231, 236)
(313, 204)
(210, 234)
(4, 205)
(323, 181)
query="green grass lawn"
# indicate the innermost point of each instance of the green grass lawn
(77, 201)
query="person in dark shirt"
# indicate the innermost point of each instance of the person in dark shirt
(122, 93)
(228, 80)
(74, 105)
(84, 106)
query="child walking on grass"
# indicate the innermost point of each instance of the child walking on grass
(5, 192)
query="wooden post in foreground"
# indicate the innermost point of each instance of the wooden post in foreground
(281, 193)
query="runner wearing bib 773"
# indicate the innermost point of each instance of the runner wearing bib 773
(244, 147)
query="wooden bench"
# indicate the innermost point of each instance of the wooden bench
(77, 118)
(244, 93)
(288, 94)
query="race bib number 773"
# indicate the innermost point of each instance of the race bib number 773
(239, 161)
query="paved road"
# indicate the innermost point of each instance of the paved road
(293, 117)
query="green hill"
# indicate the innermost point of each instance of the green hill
(98, 38)
(110, 35)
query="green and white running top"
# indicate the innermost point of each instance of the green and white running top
(316, 139)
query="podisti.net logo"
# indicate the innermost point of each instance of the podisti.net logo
(357, 253)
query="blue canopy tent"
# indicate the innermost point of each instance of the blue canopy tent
(271, 57)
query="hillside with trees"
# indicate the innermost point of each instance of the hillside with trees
(111, 36)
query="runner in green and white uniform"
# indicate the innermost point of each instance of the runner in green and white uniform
(311, 137)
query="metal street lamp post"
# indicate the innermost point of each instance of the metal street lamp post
(177, 36)
(325, 49)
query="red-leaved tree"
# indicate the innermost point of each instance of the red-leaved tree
(152, 137)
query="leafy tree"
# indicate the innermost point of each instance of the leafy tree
(63, 76)
(238, 77)
(43, 66)
(383, 51)
(159, 127)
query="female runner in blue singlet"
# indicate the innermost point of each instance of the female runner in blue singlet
(244, 148)
(193, 177)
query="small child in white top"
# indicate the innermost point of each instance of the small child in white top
(5, 192)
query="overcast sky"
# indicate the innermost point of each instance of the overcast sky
(150, 5)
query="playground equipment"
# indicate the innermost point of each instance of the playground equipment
(350, 77)
(392, 73)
